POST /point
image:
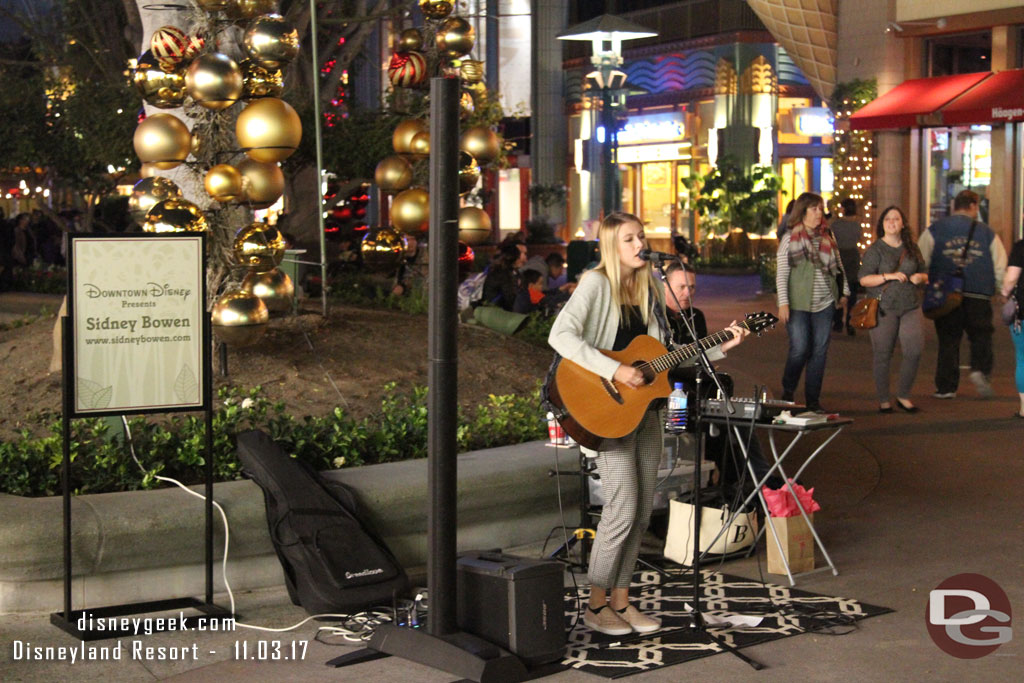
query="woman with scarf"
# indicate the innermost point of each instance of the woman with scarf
(807, 278)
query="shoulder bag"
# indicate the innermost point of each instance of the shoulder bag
(945, 292)
(864, 315)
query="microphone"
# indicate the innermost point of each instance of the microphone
(657, 257)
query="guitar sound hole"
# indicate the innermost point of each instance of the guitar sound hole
(646, 370)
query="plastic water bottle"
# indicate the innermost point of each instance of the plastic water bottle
(676, 422)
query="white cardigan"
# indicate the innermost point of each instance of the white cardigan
(589, 321)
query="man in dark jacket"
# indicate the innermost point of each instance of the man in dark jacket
(942, 247)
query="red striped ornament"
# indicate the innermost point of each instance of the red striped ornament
(169, 45)
(194, 47)
(407, 69)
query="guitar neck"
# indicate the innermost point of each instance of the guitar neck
(674, 358)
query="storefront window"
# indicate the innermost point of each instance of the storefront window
(957, 159)
(657, 196)
(796, 179)
(509, 200)
(961, 53)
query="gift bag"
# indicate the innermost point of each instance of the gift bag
(679, 541)
(797, 545)
(790, 528)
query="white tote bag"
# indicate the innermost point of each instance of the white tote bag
(679, 542)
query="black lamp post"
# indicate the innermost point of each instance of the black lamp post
(606, 34)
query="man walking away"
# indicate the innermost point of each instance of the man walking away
(984, 265)
(847, 232)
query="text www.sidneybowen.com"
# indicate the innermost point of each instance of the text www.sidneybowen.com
(139, 339)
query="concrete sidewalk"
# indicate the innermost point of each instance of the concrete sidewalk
(907, 501)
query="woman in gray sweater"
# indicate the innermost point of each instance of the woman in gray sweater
(891, 270)
(613, 304)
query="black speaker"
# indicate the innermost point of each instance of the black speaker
(513, 602)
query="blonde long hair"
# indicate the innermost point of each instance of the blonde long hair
(643, 285)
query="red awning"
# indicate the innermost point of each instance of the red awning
(905, 105)
(995, 100)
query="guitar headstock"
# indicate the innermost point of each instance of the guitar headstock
(759, 322)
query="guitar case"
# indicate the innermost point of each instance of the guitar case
(332, 562)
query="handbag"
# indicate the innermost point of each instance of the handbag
(945, 292)
(679, 540)
(1010, 312)
(864, 315)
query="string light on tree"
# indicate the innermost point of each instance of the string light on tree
(853, 153)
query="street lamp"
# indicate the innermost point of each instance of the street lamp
(606, 34)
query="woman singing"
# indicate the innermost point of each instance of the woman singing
(807, 266)
(613, 304)
(891, 269)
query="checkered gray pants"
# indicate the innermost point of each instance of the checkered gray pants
(628, 468)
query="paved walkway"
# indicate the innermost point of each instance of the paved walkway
(908, 501)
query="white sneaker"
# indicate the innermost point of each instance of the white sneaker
(948, 394)
(606, 620)
(981, 383)
(640, 622)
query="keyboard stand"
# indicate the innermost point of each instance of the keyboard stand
(799, 431)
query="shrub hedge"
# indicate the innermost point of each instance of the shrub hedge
(175, 447)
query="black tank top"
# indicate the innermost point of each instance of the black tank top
(631, 325)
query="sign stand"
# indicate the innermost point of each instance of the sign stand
(142, 295)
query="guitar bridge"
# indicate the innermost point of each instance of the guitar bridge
(612, 391)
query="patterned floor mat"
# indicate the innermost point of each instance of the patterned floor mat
(785, 612)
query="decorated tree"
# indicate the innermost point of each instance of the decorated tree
(442, 46)
(853, 153)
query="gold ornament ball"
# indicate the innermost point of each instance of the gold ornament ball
(455, 37)
(259, 81)
(195, 146)
(474, 225)
(409, 40)
(469, 173)
(223, 183)
(471, 70)
(482, 143)
(259, 246)
(393, 174)
(436, 9)
(271, 41)
(163, 140)
(419, 146)
(273, 287)
(262, 183)
(268, 130)
(247, 9)
(383, 248)
(175, 215)
(466, 106)
(159, 88)
(149, 192)
(214, 81)
(148, 170)
(239, 318)
(401, 140)
(216, 5)
(410, 211)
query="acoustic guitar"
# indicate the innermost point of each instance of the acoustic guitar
(592, 408)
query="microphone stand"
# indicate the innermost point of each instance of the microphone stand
(699, 624)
